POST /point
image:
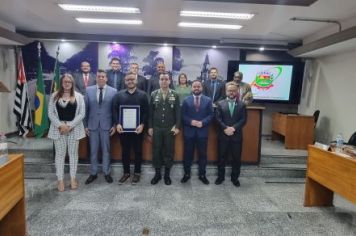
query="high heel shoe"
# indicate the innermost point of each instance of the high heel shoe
(73, 184)
(60, 186)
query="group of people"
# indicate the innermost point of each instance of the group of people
(91, 105)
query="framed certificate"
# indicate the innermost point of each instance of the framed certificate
(129, 117)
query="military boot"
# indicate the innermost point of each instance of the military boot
(157, 176)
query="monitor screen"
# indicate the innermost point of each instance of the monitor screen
(271, 82)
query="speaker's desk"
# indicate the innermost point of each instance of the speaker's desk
(251, 146)
(12, 197)
(298, 130)
(329, 172)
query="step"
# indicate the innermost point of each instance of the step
(291, 170)
(282, 159)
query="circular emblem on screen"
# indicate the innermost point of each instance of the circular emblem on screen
(264, 79)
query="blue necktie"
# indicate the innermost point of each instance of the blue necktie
(213, 85)
(115, 80)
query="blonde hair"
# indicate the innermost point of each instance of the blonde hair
(60, 91)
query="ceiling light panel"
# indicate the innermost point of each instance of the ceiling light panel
(111, 9)
(109, 21)
(209, 26)
(223, 15)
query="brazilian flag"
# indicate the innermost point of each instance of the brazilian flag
(41, 116)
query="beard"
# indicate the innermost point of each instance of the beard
(196, 93)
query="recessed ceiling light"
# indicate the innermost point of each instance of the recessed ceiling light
(214, 46)
(109, 21)
(209, 26)
(74, 7)
(165, 44)
(224, 15)
(63, 40)
(261, 49)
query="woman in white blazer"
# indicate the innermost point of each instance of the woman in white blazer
(66, 110)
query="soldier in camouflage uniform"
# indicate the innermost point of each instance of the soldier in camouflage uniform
(164, 123)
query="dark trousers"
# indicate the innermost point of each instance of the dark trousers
(163, 147)
(226, 147)
(189, 145)
(129, 140)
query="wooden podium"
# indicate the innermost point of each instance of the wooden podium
(251, 146)
(329, 172)
(12, 197)
(298, 130)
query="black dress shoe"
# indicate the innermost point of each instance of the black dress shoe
(108, 179)
(204, 179)
(91, 178)
(156, 179)
(185, 178)
(236, 182)
(219, 181)
(167, 180)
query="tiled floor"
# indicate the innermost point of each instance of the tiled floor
(256, 208)
(268, 205)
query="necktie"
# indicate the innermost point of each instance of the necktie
(115, 80)
(196, 103)
(86, 80)
(213, 84)
(231, 107)
(100, 96)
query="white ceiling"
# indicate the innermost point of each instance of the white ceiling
(160, 18)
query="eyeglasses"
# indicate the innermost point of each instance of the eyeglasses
(237, 76)
(67, 82)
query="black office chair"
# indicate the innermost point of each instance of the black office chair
(352, 140)
(316, 117)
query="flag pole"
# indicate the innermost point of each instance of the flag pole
(39, 49)
(54, 71)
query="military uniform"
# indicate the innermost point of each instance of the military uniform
(164, 115)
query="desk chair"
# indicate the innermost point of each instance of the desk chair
(352, 140)
(316, 117)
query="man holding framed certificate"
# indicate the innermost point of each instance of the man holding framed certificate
(130, 108)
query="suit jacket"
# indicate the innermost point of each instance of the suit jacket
(205, 114)
(245, 93)
(79, 82)
(219, 92)
(76, 123)
(120, 82)
(99, 115)
(224, 119)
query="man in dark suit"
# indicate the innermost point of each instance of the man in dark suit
(197, 112)
(231, 117)
(99, 124)
(84, 78)
(141, 80)
(115, 76)
(214, 87)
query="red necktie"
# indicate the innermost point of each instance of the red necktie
(196, 103)
(86, 80)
